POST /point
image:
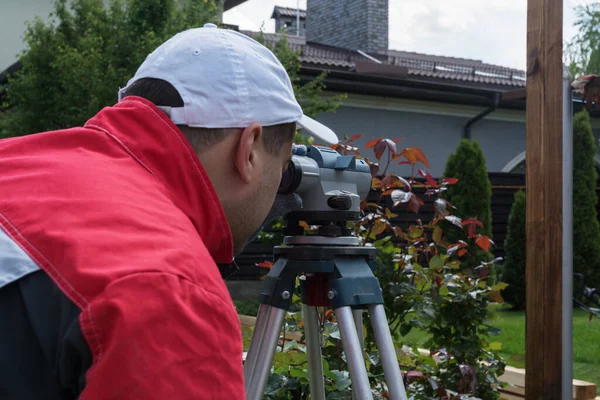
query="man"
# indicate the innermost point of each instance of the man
(110, 233)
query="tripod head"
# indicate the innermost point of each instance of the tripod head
(331, 187)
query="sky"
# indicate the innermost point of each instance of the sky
(493, 31)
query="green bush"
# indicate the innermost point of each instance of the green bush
(586, 230)
(471, 196)
(515, 247)
(74, 64)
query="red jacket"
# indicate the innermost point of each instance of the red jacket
(122, 217)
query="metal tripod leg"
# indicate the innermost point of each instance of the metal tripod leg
(314, 354)
(260, 356)
(387, 352)
(358, 322)
(256, 343)
(358, 371)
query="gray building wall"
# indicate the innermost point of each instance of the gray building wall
(436, 135)
(13, 17)
(354, 24)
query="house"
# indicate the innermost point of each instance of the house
(289, 20)
(430, 101)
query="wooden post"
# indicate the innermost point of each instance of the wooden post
(544, 200)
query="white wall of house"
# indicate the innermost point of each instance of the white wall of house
(435, 128)
(14, 14)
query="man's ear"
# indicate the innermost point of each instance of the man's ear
(249, 151)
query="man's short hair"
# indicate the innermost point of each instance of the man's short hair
(162, 93)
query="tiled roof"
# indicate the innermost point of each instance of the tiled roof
(419, 66)
(289, 12)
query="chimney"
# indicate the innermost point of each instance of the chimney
(354, 24)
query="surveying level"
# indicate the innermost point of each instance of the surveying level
(334, 271)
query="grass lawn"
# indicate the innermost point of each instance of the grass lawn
(586, 341)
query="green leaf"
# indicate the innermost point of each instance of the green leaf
(290, 357)
(290, 345)
(496, 346)
(339, 396)
(405, 329)
(444, 290)
(500, 286)
(325, 366)
(436, 262)
(335, 335)
(437, 234)
(274, 384)
(299, 372)
(330, 375)
(342, 379)
(373, 357)
(380, 243)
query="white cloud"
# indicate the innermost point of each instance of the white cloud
(491, 31)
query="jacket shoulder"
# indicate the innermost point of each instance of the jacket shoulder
(89, 213)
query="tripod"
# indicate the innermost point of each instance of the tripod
(334, 271)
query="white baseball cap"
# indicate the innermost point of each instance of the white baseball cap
(226, 80)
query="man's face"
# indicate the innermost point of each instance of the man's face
(260, 192)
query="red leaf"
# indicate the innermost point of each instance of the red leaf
(428, 178)
(471, 231)
(412, 376)
(404, 162)
(304, 225)
(380, 149)
(265, 264)
(471, 221)
(483, 242)
(462, 252)
(419, 155)
(472, 224)
(355, 137)
(382, 145)
(387, 180)
(373, 142)
(379, 227)
(484, 272)
(376, 183)
(398, 232)
(363, 205)
(450, 181)
(414, 204)
(410, 156)
(397, 140)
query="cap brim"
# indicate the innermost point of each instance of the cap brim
(318, 130)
